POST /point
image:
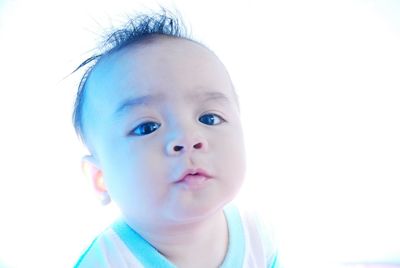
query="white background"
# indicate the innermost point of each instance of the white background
(319, 87)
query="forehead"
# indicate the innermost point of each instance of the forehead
(168, 66)
(159, 65)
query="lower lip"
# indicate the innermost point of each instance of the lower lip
(193, 182)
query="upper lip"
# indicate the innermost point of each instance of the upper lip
(194, 171)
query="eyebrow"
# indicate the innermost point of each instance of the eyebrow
(153, 99)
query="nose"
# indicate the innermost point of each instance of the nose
(180, 145)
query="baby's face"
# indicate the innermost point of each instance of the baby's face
(155, 113)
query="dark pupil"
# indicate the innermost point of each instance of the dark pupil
(148, 128)
(208, 120)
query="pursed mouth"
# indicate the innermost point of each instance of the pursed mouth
(193, 182)
(194, 175)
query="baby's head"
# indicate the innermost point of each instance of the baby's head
(160, 118)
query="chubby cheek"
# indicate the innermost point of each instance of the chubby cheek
(238, 167)
(130, 174)
(232, 160)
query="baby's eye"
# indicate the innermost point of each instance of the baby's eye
(145, 128)
(211, 119)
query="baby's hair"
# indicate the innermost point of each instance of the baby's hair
(138, 30)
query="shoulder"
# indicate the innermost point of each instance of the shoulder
(107, 250)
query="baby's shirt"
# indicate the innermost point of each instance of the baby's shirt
(120, 246)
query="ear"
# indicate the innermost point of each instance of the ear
(92, 170)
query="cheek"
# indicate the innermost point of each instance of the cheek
(232, 156)
(133, 187)
(238, 158)
(131, 173)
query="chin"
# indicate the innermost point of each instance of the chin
(193, 214)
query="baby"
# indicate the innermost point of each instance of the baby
(159, 115)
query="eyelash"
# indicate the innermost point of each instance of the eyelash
(150, 126)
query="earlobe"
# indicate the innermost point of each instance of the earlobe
(92, 170)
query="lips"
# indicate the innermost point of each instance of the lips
(193, 178)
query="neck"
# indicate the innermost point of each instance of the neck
(200, 244)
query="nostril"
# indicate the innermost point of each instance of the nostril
(198, 145)
(180, 148)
